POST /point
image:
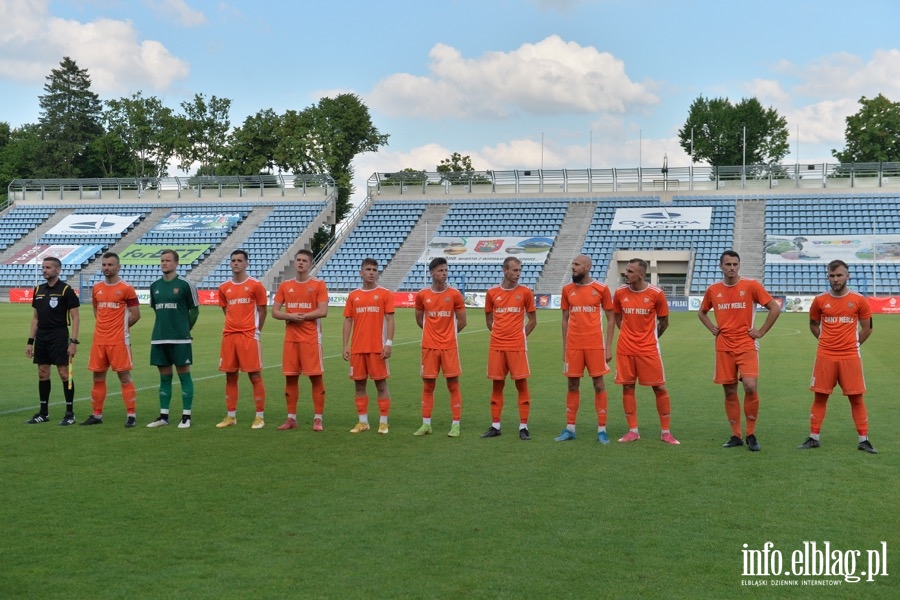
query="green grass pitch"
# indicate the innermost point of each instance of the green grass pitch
(105, 512)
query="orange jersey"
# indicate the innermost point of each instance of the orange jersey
(509, 308)
(585, 305)
(439, 320)
(735, 308)
(240, 301)
(302, 297)
(367, 308)
(640, 311)
(839, 318)
(111, 303)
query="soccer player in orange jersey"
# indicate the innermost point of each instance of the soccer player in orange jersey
(585, 346)
(368, 337)
(243, 300)
(642, 315)
(734, 301)
(505, 309)
(842, 321)
(301, 302)
(441, 314)
(116, 310)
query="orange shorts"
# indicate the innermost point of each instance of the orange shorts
(577, 360)
(240, 353)
(511, 362)
(369, 365)
(731, 366)
(435, 361)
(847, 372)
(298, 358)
(648, 370)
(117, 356)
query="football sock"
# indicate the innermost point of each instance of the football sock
(601, 401)
(524, 400)
(427, 398)
(860, 417)
(573, 400)
(629, 404)
(318, 394)
(664, 408)
(98, 396)
(165, 391)
(817, 412)
(733, 412)
(751, 411)
(291, 393)
(187, 391)
(455, 400)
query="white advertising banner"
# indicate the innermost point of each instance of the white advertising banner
(93, 224)
(671, 218)
(826, 248)
(492, 250)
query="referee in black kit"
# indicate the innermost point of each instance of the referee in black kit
(49, 343)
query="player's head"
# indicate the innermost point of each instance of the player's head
(581, 268)
(729, 254)
(172, 254)
(635, 271)
(730, 264)
(50, 267)
(168, 261)
(512, 270)
(303, 261)
(239, 261)
(439, 269)
(109, 264)
(838, 276)
(436, 262)
(368, 271)
(242, 253)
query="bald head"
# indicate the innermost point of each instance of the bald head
(581, 269)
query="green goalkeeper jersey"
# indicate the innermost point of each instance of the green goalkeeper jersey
(173, 302)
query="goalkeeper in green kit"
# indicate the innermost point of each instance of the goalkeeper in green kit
(174, 301)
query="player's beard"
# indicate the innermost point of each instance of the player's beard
(577, 278)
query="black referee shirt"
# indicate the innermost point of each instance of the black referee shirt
(53, 303)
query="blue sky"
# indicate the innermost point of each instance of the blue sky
(512, 83)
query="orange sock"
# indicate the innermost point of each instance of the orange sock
(98, 396)
(817, 412)
(664, 408)
(733, 412)
(129, 397)
(384, 406)
(231, 391)
(601, 402)
(318, 393)
(629, 405)
(292, 393)
(860, 416)
(427, 398)
(259, 392)
(524, 400)
(497, 400)
(362, 405)
(455, 400)
(751, 411)
(573, 401)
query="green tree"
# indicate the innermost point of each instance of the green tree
(714, 133)
(457, 163)
(69, 121)
(147, 130)
(204, 134)
(252, 146)
(873, 133)
(20, 150)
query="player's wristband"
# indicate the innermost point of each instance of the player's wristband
(388, 342)
(74, 341)
(31, 341)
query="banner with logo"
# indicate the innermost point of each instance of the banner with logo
(67, 255)
(488, 250)
(675, 218)
(93, 224)
(148, 254)
(826, 248)
(193, 222)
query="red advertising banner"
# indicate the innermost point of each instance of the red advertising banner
(208, 297)
(21, 296)
(404, 299)
(889, 305)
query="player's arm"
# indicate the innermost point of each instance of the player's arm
(461, 321)
(865, 330)
(320, 312)
(610, 332)
(489, 320)
(662, 323)
(279, 313)
(134, 314)
(345, 337)
(771, 317)
(565, 329)
(707, 322)
(532, 322)
(193, 313)
(388, 348)
(815, 327)
(420, 318)
(262, 312)
(32, 331)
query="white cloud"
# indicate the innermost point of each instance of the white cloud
(32, 42)
(183, 14)
(550, 77)
(845, 75)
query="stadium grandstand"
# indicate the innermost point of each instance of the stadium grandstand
(785, 222)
